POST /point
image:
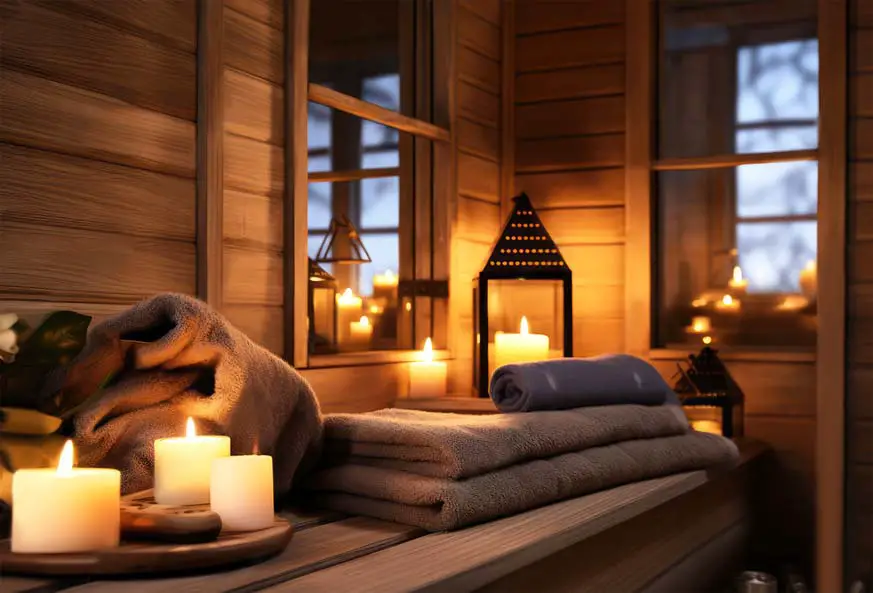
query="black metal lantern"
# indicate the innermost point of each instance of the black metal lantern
(711, 398)
(522, 298)
(322, 310)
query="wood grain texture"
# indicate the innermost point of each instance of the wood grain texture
(594, 337)
(478, 178)
(45, 114)
(253, 219)
(595, 265)
(253, 47)
(477, 139)
(92, 266)
(478, 220)
(861, 95)
(269, 12)
(557, 154)
(34, 312)
(862, 50)
(486, 9)
(262, 323)
(598, 302)
(565, 49)
(862, 138)
(861, 221)
(861, 13)
(253, 166)
(569, 226)
(861, 181)
(478, 34)
(570, 118)
(77, 51)
(598, 187)
(253, 107)
(51, 189)
(170, 22)
(860, 311)
(356, 389)
(543, 17)
(478, 70)
(478, 105)
(252, 276)
(572, 83)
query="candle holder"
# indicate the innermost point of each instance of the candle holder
(322, 310)
(710, 396)
(522, 298)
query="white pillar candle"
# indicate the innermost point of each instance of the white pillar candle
(737, 283)
(241, 492)
(183, 466)
(348, 310)
(65, 510)
(427, 377)
(521, 347)
(360, 332)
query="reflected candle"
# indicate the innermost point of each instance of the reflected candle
(728, 304)
(348, 310)
(65, 510)
(737, 283)
(241, 491)
(183, 466)
(521, 347)
(360, 332)
(427, 377)
(808, 280)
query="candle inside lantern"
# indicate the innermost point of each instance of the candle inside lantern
(427, 377)
(728, 303)
(701, 324)
(521, 347)
(710, 426)
(65, 510)
(737, 283)
(241, 491)
(348, 310)
(808, 280)
(183, 466)
(360, 332)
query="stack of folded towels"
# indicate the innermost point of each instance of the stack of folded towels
(574, 426)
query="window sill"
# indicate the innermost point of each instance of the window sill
(738, 355)
(351, 359)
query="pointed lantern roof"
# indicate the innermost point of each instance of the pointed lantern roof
(525, 249)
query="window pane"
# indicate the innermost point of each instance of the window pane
(384, 251)
(737, 77)
(339, 141)
(380, 202)
(748, 234)
(319, 211)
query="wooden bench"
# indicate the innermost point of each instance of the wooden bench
(679, 533)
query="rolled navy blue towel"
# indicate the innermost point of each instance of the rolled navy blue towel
(567, 383)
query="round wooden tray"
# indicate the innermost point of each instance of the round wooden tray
(140, 557)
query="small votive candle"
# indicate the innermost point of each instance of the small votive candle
(241, 492)
(183, 466)
(728, 304)
(65, 510)
(427, 377)
(737, 283)
(701, 324)
(360, 332)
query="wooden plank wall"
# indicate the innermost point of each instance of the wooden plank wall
(97, 153)
(478, 139)
(859, 426)
(253, 168)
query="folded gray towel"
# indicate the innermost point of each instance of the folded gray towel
(463, 445)
(438, 504)
(171, 357)
(565, 383)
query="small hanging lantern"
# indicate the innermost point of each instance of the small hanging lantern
(342, 244)
(522, 298)
(322, 310)
(711, 398)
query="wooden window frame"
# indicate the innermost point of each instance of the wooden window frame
(829, 356)
(299, 91)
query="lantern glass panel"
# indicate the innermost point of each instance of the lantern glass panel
(322, 339)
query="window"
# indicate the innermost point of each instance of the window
(372, 206)
(736, 174)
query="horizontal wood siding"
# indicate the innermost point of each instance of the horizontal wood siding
(97, 153)
(859, 425)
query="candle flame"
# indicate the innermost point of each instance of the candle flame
(810, 265)
(524, 329)
(699, 325)
(346, 298)
(65, 463)
(738, 274)
(190, 429)
(408, 306)
(375, 309)
(727, 300)
(707, 340)
(427, 351)
(365, 321)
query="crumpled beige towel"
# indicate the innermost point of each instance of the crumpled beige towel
(438, 504)
(171, 357)
(462, 445)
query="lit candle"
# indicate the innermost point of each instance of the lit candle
(710, 426)
(793, 302)
(809, 280)
(385, 286)
(183, 466)
(66, 509)
(737, 283)
(521, 347)
(348, 310)
(360, 332)
(241, 491)
(728, 304)
(427, 377)
(701, 324)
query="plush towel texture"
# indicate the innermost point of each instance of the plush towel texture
(566, 383)
(462, 445)
(172, 357)
(439, 504)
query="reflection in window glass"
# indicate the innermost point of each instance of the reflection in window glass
(778, 81)
(776, 139)
(777, 189)
(773, 254)
(319, 127)
(380, 202)
(383, 91)
(319, 210)
(384, 251)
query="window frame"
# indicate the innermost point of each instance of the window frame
(430, 139)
